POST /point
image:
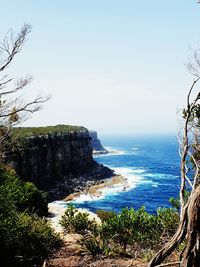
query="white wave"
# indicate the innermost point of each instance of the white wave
(133, 177)
(161, 175)
(139, 171)
(85, 198)
(107, 191)
(58, 203)
(112, 151)
(115, 151)
(154, 185)
(126, 171)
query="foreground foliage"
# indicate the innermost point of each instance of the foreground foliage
(24, 195)
(26, 238)
(74, 221)
(123, 232)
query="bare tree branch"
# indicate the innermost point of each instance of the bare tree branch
(21, 83)
(12, 47)
(13, 108)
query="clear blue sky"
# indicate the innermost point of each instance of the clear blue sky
(110, 65)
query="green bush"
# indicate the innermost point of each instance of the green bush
(25, 195)
(128, 229)
(92, 244)
(132, 228)
(168, 220)
(175, 202)
(74, 221)
(26, 239)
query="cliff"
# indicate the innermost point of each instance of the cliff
(55, 159)
(96, 144)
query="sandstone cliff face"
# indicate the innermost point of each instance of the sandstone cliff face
(60, 162)
(96, 144)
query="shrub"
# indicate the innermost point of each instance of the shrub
(74, 221)
(130, 227)
(133, 228)
(175, 202)
(168, 220)
(92, 244)
(25, 240)
(25, 195)
(38, 238)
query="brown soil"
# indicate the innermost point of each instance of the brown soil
(72, 254)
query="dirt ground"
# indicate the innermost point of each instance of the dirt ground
(72, 254)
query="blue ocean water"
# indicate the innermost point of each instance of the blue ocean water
(151, 164)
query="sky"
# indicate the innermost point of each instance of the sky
(115, 66)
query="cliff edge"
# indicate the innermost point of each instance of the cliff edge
(57, 159)
(96, 144)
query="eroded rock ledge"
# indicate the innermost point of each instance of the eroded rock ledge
(59, 162)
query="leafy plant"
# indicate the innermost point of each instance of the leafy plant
(25, 195)
(74, 221)
(118, 232)
(130, 227)
(135, 228)
(26, 239)
(175, 202)
(92, 244)
(168, 220)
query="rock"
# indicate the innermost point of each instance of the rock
(96, 144)
(59, 163)
(72, 196)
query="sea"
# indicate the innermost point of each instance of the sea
(151, 164)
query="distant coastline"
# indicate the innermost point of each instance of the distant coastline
(97, 147)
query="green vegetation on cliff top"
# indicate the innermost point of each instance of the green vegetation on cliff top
(25, 132)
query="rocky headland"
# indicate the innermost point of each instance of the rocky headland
(57, 159)
(96, 144)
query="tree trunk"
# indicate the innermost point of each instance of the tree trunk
(172, 244)
(189, 229)
(191, 255)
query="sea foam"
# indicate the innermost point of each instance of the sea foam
(133, 177)
(117, 152)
